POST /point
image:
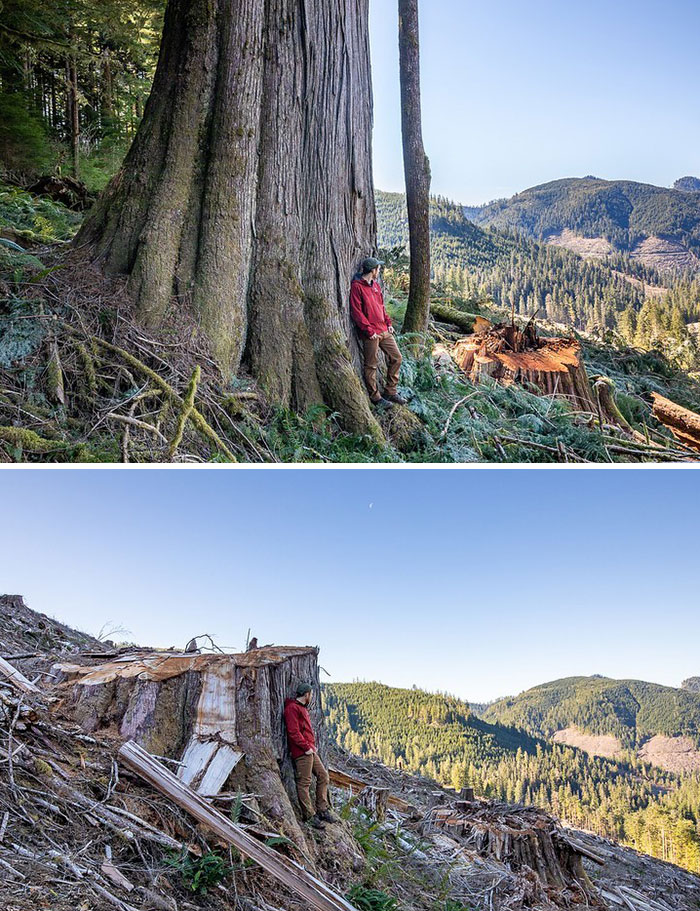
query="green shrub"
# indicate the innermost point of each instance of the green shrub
(20, 335)
(199, 874)
(34, 217)
(367, 899)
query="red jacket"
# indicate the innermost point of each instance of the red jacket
(367, 308)
(300, 734)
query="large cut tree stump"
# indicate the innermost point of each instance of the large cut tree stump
(221, 716)
(506, 354)
(520, 837)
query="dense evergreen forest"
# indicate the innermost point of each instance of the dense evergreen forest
(535, 278)
(437, 736)
(74, 78)
(628, 709)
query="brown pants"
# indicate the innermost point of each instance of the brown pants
(304, 767)
(387, 343)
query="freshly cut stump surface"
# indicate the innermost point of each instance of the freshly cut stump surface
(504, 353)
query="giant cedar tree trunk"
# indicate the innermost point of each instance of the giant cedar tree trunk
(417, 172)
(248, 190)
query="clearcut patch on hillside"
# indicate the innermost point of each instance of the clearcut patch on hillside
(595, 744)
(588, 247)
(675, 754)
(665, 255)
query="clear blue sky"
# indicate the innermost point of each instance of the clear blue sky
(516, 94)
(481, 583)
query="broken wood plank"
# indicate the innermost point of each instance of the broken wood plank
(116, 876)
(17, 678)
(207, 764)
(295, 877)
(590, 853)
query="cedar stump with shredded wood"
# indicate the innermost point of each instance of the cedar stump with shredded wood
(220, 715)
(507, 354)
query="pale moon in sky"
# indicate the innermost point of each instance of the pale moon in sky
(371, 505)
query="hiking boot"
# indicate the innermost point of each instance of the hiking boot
(381, 402)
(327, 816)
(394, 398)
(316, 822)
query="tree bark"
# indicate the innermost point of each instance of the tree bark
(74, 114)
(417, 174)
(247, 192)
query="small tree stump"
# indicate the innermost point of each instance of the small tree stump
(375, 800)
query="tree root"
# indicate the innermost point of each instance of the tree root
(198, 420)
(27, 439)
(185, 413)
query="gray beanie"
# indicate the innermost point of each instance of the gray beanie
(370, 264)
(303, 689)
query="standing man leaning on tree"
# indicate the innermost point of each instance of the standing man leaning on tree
(369, 315)
(302, 745)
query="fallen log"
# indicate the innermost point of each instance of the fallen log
(683, 423)
(295, 877)
(17, 678)
(70, 192)
(458, 318)
(356, 786)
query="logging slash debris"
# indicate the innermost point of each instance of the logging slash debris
(142, 779)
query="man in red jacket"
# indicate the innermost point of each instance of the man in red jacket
(302, 745)
(374, 325)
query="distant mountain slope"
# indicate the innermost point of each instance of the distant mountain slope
(688, 184)
(517, 271)
(440, 738)
(625, 213)
(629, 710)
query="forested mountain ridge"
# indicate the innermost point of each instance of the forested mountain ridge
(646, 308)
(63, 390)
(437, 736)
(632, 711)
(77, 781)
(623, 212)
